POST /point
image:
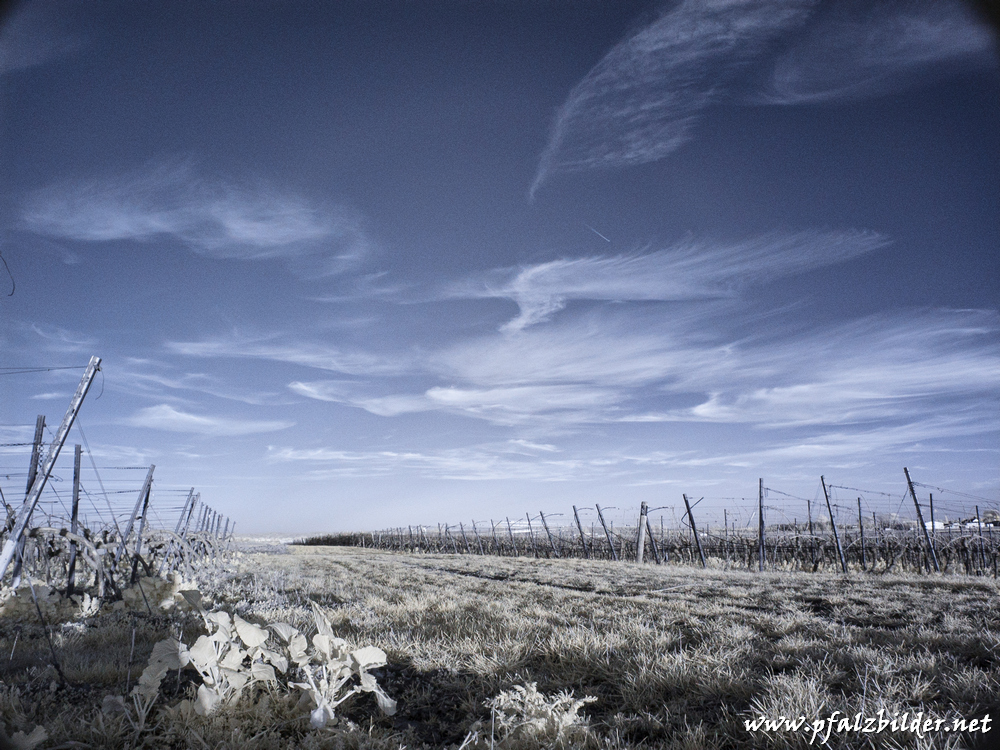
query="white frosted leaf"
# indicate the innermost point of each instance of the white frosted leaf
(322, 622)
(298, 649)
(280, 662)
(235, 679)
(263, 672)
(285, 631)
(192, 596)
(322, 643)
(233, 659)
(203, 654)
(207, 700)
(250, 634)
(369, 657)
(320, 716)
(170, 652)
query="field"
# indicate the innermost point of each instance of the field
(676, 656)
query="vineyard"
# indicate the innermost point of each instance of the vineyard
(881, 544)
(134, 618)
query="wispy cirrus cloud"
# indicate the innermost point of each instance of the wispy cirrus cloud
(855, 50)
(689, 270)
(63, 340)
(166, 417)
(643, 99)
(310, 354)
(215, 218)
(506, 406)
(473, 463)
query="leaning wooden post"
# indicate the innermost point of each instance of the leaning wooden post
(71, 572)
(465, 539)
(652, 541)
(531, 534)
(449, 535)
(583, 539)
(138, 538)
(694, 529)
(479, 541)
(861, 531)
(760, 525)
(611, 545)
(982, 554)
(920, 520)
(36, 452)
(555, 550)
(143, 497)
(833, 525)
(640, 536)
(812, 538)
(510, 532)
(496, 542)
(931, 503)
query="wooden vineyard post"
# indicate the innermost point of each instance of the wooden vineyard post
(138, 538)
(71, 570)
(611, 545)
(510, 531)
(694, 529)
(465, 539)
(833, 525)
(931, 504)
(555, 550)
(479, 542)
(982, 554)
(920, 520)
(531, 534)
(36, 452)
(812, 537)
(725, 527)
(861, 531)
(640, 537)
(583, 539)
(496, 542)
(652, 541)
(760, 525)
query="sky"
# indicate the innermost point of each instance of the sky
(361, 265)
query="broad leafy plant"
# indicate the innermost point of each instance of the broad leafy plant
(235, 654)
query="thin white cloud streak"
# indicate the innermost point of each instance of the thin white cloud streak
(876, 368)
(477, 463)
(884, 368)
(504, 406)
(522, 460)
(319, 356)
(138, 381)
(220, 220)
(687, 271)
(166, 417)
(642, 100)
(856, 50)
(61, 340)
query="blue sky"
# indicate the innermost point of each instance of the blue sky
(358, 265)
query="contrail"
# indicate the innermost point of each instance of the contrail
(597, 233)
